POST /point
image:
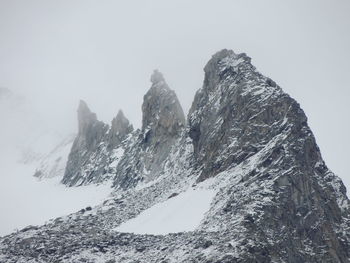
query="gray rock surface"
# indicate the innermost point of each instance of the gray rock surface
(236, 113)
(95, 147)
(162, 114)
(119, 131)
(247, 140)
(100, 153)
(91, 132)
(163, 121)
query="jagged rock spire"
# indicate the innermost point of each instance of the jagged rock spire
(161, 107)
(222, 63)
(233, 96)
(157, 77)
(85, 117)
(119, 130)
(120, 124)
(91, 132)
(163, 121)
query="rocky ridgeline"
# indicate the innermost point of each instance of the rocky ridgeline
(140, 154)
(245, 139)
(96, 147)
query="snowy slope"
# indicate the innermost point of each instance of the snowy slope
(28, 147)
(39, 200)
(182, 212)
(54, 163)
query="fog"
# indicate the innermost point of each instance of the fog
(53, 53)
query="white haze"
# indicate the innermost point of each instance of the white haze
(53, 53)
(27, 201)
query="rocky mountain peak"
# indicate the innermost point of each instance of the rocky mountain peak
(91, 132)
(273, 197)
(222, 63)
(217, 57)
(163, 121)
(120, 123)
(236, 107)
(119, 130)
(161, 107)
(85, 117)
(157, 77)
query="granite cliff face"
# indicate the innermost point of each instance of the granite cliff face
(245, 139)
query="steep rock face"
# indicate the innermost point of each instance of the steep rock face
(236, 116)
(90, 130)
(162, 113)
(100, 153)
(236, 113)
(163, 121)
(246, 140)
(96, 149)
(91, 133)
(119, 130)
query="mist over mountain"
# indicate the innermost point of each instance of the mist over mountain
(33, 159)
(128, 134)
(25, 131)
(240, 179)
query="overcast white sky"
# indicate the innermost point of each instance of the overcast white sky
(56, 52)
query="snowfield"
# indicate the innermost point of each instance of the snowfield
(28, 201)
(180, 213)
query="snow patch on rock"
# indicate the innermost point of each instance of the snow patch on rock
(182, 212)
